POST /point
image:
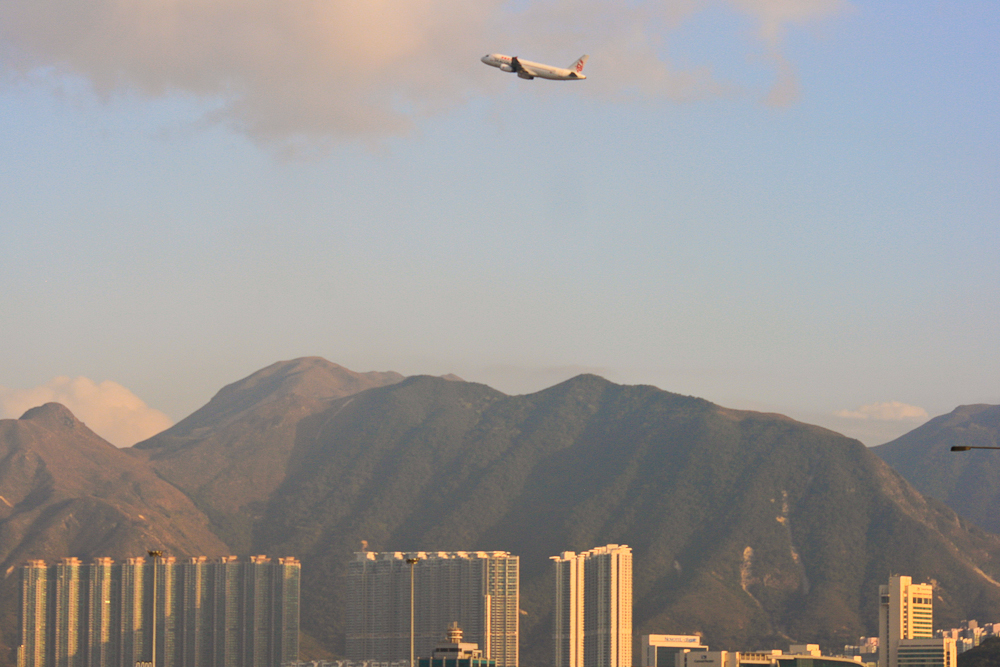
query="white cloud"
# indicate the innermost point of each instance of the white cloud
(108, 409)
(891, 411)
(303, 72)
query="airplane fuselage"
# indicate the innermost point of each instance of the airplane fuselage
(529, 70)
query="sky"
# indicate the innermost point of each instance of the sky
(782, 205)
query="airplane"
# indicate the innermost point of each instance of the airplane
(529, 70)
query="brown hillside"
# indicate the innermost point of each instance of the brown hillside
(64, 491)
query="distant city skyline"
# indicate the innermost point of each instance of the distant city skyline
(787, 206)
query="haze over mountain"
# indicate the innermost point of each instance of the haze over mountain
(751, 528)
(968, 482)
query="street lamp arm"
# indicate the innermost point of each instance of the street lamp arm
(965, 448)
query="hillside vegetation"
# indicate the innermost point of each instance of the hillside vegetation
(968, 482)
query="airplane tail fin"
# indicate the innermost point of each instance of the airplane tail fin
(578, 65)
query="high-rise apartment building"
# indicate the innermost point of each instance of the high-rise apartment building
(34, 614)
(195, 613)
(479, 590)
(104, 617)
(593, 608)
(68, 596)
(906, 627)
(568, 611)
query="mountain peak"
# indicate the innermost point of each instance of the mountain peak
(52, 415)
(979, 412)
(966, 482)
(307, 379)
(307, 376)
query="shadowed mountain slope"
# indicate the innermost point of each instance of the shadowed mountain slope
(968, 482)
(986, 654)
(64, 491)
(750, 528)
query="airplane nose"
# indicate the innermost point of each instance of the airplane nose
(484, 58)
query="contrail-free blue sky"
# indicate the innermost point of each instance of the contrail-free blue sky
(782, 205)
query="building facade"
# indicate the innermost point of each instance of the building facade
(802, 655)
(937, 652)
(906, 627)
(662, 650)
(104, 614)
(479, 590)
(593, 608)
(568, 611)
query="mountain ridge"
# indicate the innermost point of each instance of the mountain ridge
(750, 528)
(968, 482)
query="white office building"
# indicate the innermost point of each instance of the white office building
(906, 627)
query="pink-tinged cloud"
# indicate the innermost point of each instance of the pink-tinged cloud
(890, 411)
(300, 73)
(108, 409)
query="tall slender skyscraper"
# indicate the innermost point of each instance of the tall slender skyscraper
(34, 614)
(607, 623)
(208, 614)
(134, 616)
(477, 589)
(102, 635)
(593, 608)
(568, 612)
(66, 584)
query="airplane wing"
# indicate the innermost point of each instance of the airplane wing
(521, 70)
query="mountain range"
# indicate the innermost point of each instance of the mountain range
(750, 528)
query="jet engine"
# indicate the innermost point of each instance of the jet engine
(506, 68)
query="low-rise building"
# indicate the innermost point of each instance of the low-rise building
(662, 650)
(456, 653)
(798, 655)
(934, 652)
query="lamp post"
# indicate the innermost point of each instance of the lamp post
(965, 448)
(155, 555)
(411, 562)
